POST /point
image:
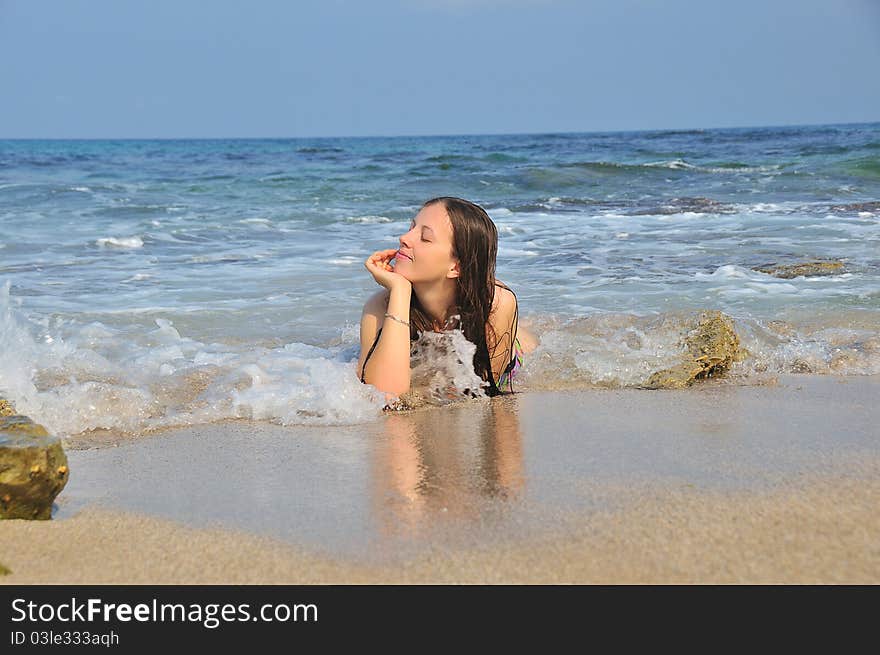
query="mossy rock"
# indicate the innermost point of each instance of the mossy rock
(806, 269)
(712, 347)
(33, 469)
(6, 408)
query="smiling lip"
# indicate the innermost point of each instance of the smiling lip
(400, 254)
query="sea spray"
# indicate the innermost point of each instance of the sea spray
(99, 377)
(76, 377)
(442, 369)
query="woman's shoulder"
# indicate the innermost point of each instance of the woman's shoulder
(504, 311)
(505, 298)
(378, 300)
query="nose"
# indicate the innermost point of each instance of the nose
(403, 241)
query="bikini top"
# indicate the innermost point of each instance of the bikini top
(493, 387)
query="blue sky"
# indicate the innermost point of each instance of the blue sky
(301, 68)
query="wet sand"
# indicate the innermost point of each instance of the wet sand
(716, 483)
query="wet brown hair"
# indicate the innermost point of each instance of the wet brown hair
(475, 245)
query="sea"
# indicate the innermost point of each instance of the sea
(146, 284)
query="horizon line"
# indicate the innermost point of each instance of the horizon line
(423, 136)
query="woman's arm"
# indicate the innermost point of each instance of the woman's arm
(388, 368)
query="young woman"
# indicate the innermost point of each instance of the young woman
(445, 266)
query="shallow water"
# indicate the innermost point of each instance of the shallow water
(483, 471)
(153, 283)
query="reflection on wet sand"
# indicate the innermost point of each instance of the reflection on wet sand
(438, 465)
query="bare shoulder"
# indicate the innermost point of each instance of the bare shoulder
(502, 316)
(504, 302)
(505, 312)
(377, 302)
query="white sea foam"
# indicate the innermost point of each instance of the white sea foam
(440, 367)
(515, 252)
(96, 376)
(508, 229)
(612, 349)
(772, 287)
(730, 272)
(124, 242)
(826, 351)
(772, 168)
(256, 221)
(603, 350)
(770, 207)
(678, 164)
(73, 377)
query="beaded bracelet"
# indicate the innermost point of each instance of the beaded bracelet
(394, 318)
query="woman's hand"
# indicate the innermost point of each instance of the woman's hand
(380, 268)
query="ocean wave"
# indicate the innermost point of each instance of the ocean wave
(263, 223)
(662, 134)
(126, 210)
(500, 157)
(368, 219)
(733, 272)
(676, 164)
(138, 277)
(311, 150)
(685, 205)
(657, 206)
(74, 377)
(869, 208)
(865, 167)
(570, 173)
(616, 350)
(120, 242)
(223, 258)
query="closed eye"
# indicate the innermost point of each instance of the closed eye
(412, 225)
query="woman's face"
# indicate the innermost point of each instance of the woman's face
(425, 252)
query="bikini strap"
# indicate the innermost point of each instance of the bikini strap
(375, 343)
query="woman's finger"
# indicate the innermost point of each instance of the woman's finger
(383, 256)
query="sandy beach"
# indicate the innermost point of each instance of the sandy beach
(719, 483)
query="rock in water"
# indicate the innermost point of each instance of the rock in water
(870, 206)
(33, 469)
(807, 269)
(712, 346)
(6, 408)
